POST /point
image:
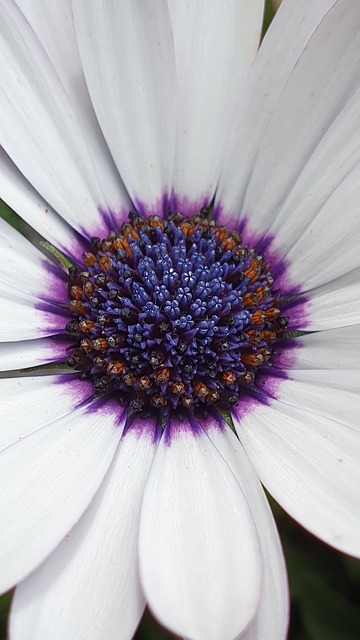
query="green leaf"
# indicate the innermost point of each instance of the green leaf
(59, 256)
(149, 629)
(268, 16)
(4, 609)
(326, 614)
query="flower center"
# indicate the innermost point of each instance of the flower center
(173, 314)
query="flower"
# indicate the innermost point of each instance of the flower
(110, 498)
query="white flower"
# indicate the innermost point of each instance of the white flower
(110, 106)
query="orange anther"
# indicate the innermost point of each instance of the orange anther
(145, 382)
(272, 314)
(76, 306)
(76, 292)
(86, 345)
(89, 259)
(250, 299)
(88, 288)
(269, 336)
(258, 317)
(178, 388)
(161, 376)
(86, 325)
(114, 368)
(129, 379)
(228, 377)
(99, 344)
(201, 389)
(252, 359)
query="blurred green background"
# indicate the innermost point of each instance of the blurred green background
(324, 584)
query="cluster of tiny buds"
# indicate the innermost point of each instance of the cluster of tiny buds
(173, 314)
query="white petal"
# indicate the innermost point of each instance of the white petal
(128, 59)
(271, 620)
(31, 353)
(332, 394)
(46, 398)
(33, 293)
(44, 139)
(55, 17)
(332, 349)
(310, 464)
(199, 555)
(23, 268)
(323, 81)
(25, 318)
(284, 44)
(215, 45)
(336, 304)
(328, 245)
(47, 480)
(18, 193)
(89, 587)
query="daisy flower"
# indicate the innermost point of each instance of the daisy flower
(191, 301)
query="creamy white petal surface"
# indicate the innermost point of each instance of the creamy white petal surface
(315, 96)
(55, 396)
(333, 349)
(29, 322)
(283, 46)
(271, 620)
(134, 103)
(51, 151)
(33, 295)
(55, 472)
(21, 354)
(310, 464)
(89, 587)
(332, 394)
(21, 196)
(335, 304)
(47, 18)
(215, 44)
(25, 269)
(199, 554)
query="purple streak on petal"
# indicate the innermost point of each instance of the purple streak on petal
(264, 245)
(298, 311)
(81, 390)
(58, 346)
(193, 426)
(247, 405)
(54, 288)
(159, 208)
(105, 405)
(271, 380)
(176, 426)
(285, 356)
(285, 352)
(110, 220)
(52, 299)
(187, 207)
(54, 319)
(77, 247)
(143, 428)
(83, 393)
(213, 422)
